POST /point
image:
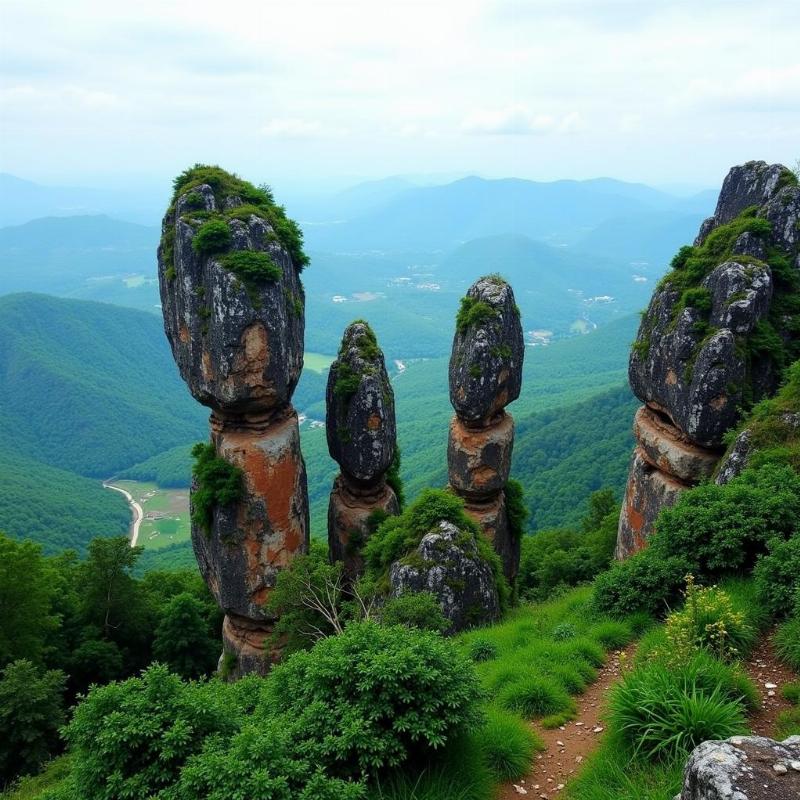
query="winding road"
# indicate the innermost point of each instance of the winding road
(138, 514)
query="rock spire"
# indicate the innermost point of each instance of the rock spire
(485, 376)
(360, 426)
(719, 330)
(229, 267)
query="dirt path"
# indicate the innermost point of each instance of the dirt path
(138, 513)
(568, 746)
(769, 676)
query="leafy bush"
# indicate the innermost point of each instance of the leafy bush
(365, 699)
(212, 237)
(787, 643)
(397, 537)
(564, 631)
(131, 739)
(777, 576)
(219, 483)
(535, 695)
(709, 621)
(507, 744)
(473, 312)
(31, 712)
(664, 714)
(182, 638)
(415, 610)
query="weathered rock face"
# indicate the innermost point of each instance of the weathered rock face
(361, 426)
(700, 354)
(743, 768)
(485, 376)
(239, 351)
(361, 431)
(234, 316)
(488, 349)
(350, 521)
(448, 565)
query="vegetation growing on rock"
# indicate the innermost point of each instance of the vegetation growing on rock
(219, 483)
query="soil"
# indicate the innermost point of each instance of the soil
(567, 747)
(763, 668)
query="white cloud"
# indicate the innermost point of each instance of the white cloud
(292, 128)
(519, 120)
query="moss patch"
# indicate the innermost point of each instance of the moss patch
(473, 312)
(219, 483)
(212, 237)
(253, 268)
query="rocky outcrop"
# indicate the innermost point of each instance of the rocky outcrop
(485, 376)
(233, 313)
(447, 563)
(707, 345)
(361, 431)
(743, 768)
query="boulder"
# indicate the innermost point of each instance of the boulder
(448, 565)
(743, 768)
(649, 490)
(349, 528)
(251, 540)
(238, 347)
(245, 648)
(686, 362)
(783, 211)
(750, 184)
(488, 350)
(666, 448)
(360, 425)
(479, 459)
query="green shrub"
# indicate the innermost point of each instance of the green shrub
(31, 712)
(131, 739)
(709, 621)
(473, 312)
(777, 576)
(212, 237)
(564, 631)
(663, 714)
(364, 699)
(482, 650)
(787, 643)
(535, 696)
(611, 634)
(394, 479)
(507, 744)
(219, 483)
(253, 268)
(415, 610)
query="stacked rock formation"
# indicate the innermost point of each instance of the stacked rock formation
(360, 427)
(743, 768)
(699, 356)
(485, 376)
(237, 337)
(447, 563)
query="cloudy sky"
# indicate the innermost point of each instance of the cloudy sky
(313, 92)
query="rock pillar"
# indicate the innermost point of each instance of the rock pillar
(361, 431)
(485, 376)
(712, 341)
(233, 311)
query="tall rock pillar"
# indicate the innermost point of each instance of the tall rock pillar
(229, 264)
(720, 327)
(361, 431)
(485, 376)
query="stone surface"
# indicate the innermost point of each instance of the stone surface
(648, 491)
(783, 211)
(252, 540)
(479, 459)
(348, 521)
(486, 361)
(244, 648)
(360, 422)
(663, 446)
(750, 184)
(736, 459)
(743, 768)
(448, 565)
(694, 378)
(237, 355)
(492, 518)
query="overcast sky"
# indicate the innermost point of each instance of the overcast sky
(312, 92)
